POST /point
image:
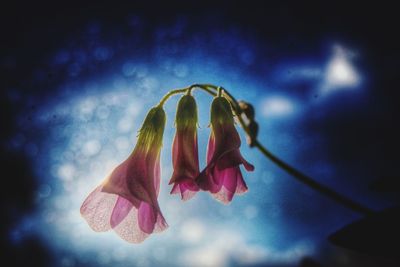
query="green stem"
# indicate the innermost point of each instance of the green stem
(183, 90)
(339, 198)
(205, 88)
(171, 93)
(345, 201)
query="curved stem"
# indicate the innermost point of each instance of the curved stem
(205, 88)
(339, 198)
(183, 90)
(171, 93)
(345, 201)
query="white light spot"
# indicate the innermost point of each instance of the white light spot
(277, 106)
(125, 124)
(122, 143)
(91, 148)
(192, 231)
(340, 72)
(66, 172)
(181, 70)
(102, 112)
(87, 106)
(128, 69)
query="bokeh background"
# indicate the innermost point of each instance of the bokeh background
(78, 79)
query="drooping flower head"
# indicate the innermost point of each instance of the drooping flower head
(185, 157)
(127, 200)
(222, 175)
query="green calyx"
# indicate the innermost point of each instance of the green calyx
(152, 130)
(221, 111)
(186, 113)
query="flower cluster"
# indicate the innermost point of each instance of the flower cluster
(126, 201)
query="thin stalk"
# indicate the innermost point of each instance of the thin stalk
(322, 189)
(185, 90)
(171, 93)
(339, 198)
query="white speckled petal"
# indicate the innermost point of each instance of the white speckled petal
(128, 229)
(97, 209)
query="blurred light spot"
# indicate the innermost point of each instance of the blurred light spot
(125, 124)
(66, 172)
(150, 83)
(340, 72)
(87, 106)
(192, 231)
(277, 106)
(141, 71)
(128, 69)
(122, 143)
(181, 70)
(102, 112)
(91, 148)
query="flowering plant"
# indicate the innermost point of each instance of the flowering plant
(126, 201)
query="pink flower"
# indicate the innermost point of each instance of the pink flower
(127, 200)
(184, 150)
(222, 175)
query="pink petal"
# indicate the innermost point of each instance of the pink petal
(127, 173)
(128, 229)
(157, 175)
(121, 209)
(210, 147)
(241, 184)
(187, 188)
(97, 209)
(185, 162)
(147, 217)
(228, 180)
(185, 155)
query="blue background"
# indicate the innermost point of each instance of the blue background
(78, 81)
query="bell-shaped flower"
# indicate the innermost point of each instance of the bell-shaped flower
(222, 176)
(185, 157)
(127, 199)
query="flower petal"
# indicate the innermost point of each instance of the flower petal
(121, 210)
(97, 209)
(147, 217)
